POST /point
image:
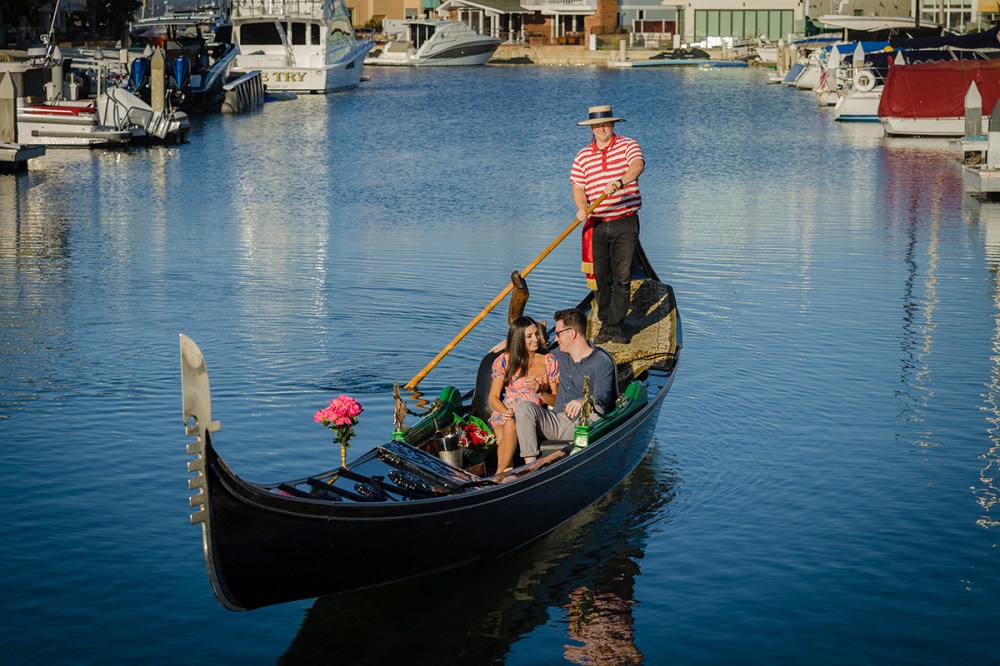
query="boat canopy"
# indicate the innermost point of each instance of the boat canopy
(848, 48)
(987, 39)
(938, 89)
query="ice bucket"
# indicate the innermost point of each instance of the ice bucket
(453, 458)
(451, 449)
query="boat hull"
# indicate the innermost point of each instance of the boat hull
(341, 75)
(858, 106)
(267, 549)
(466, 54)
(933, 127)
(67, 131)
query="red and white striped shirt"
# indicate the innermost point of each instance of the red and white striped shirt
(594, 168)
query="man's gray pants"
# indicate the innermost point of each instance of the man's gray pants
(530, 419)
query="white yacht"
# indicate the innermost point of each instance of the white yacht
(427, 42)
(298, 45)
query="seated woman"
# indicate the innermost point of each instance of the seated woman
(525, 372)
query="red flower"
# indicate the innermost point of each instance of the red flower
(474, 436)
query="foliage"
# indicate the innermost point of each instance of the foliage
(112, 17)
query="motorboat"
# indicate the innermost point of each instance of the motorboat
(929, 98)
(865, 67)
(862, 81)
(298, 45)
(199, 54)
(875, 23)
(55, 109)
(432, 42)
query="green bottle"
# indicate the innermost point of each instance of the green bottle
(581, 437)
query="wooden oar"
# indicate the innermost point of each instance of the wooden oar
(499, 297)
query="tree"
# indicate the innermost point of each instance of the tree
(110, 19)
(16, 13)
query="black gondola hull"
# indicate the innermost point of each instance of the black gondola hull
(268, 549)
(272, 543)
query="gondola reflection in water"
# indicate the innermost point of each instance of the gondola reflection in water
(384, 519)
(579, 578)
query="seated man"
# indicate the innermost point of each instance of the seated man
(577, 359)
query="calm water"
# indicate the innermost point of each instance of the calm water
(824, 482)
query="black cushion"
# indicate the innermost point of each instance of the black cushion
(484, 380)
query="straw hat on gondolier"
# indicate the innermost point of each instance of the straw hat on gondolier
(609, 168)
(600, 114)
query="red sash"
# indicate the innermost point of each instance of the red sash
(587, 264)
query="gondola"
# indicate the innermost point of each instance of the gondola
(399, 511)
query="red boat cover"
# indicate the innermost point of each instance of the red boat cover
(938, 89)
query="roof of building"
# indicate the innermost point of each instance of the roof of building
(501, 6)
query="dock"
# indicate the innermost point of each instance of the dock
(981, 153)
(692, 62)
(577, 56)
(14, 156)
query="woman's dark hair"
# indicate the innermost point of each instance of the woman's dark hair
(517, 351)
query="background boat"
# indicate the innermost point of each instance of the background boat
(928, 99)
(56, 108)
(200, 56)
(432, 42)
(298, 45)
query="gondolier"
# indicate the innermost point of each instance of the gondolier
(610, 164)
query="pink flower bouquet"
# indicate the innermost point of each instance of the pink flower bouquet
(340, 416)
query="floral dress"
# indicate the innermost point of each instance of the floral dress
(517, 391)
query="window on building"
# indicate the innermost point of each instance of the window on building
(739, 24)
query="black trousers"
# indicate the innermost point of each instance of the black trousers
(614, 244)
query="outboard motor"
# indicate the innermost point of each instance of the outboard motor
(182, 71)
(181, 78)
(138, 81)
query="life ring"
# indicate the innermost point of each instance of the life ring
(864, 80)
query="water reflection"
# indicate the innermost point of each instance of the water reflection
(35, 293)
(987, 492)
(922, 195)
(579, 578)
(601, 623)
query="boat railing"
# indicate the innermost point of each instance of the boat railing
(300, 8)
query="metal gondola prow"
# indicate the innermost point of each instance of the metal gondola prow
(195, 391)
(196, 397)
